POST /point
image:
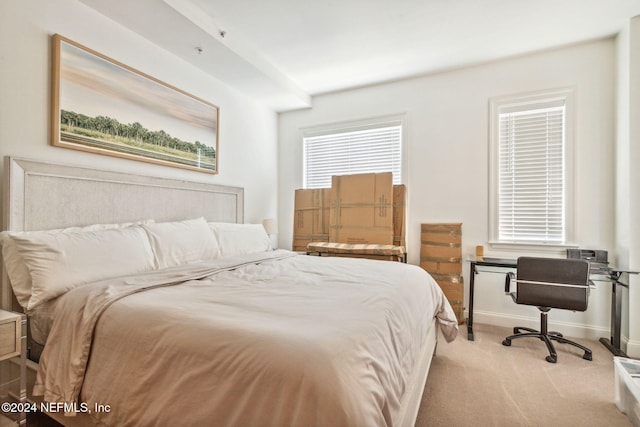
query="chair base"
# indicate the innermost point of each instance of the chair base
(547, 337)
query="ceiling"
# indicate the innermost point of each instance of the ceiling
(283, 52)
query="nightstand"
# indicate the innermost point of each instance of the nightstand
(13, 365)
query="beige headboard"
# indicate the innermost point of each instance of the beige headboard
(43, 196)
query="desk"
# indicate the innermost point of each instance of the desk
(611, 274)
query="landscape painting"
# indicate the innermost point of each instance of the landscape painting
(103, 106)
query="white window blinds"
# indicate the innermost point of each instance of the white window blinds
(373, 148)
(531, 176)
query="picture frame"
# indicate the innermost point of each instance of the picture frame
(103, 106)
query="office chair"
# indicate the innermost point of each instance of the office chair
(549, 283)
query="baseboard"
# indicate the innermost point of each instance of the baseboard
(575, 330)
(633, 349)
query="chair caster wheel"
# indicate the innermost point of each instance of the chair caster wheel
(506, 343)
(552, 359)
(588, 356)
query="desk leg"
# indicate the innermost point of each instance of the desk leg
(472, 275)
(613, 342)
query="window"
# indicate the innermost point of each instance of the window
(365, 147)
(531, 174)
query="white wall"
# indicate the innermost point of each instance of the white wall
(447, 144)
(628, 175)
(248, 131)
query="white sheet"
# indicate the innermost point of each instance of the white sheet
(270, 340)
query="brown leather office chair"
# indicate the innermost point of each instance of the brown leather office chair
(550, 283)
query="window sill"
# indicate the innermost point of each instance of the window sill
(512, 249)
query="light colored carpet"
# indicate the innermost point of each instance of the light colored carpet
(483, 383)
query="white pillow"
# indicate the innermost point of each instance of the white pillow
(181, 242)
(58, 262)
(17, 270)
(237, 239)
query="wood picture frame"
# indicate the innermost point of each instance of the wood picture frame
(100, 105)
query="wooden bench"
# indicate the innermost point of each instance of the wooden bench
(397, 253)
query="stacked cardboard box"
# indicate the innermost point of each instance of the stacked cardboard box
(441, 256)
(358, 209)
(362, 209)
(311, 217)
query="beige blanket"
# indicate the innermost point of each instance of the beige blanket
(262, 340)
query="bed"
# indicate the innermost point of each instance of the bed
(179, 314)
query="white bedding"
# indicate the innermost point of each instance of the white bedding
(266, 339)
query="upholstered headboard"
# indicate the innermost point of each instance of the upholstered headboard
(43, 196)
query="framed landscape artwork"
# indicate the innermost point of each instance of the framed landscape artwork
(103, 106)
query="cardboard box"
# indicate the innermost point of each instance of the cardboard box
(458, 310)
(452, 286)
(362, 209)
(441, 248)
(399, 214)
(441, 256)
(311, 217)
(440, 259)
(437, 234)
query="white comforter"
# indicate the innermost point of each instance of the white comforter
(262, 340)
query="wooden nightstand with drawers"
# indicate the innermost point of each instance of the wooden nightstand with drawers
(13, 366)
